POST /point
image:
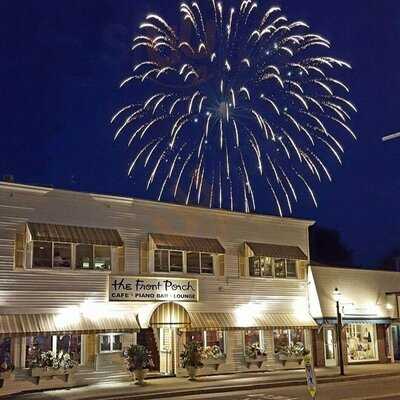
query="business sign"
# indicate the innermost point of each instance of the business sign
(139, 288)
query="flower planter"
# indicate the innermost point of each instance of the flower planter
(139, 374)
(257, 360)
(214, 362)
(5, 376)
(284, 358)
(50, 373)
(192, 372)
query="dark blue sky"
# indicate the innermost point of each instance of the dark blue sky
(62, 61)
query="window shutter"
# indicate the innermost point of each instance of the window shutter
(242, 261)
(144, 256)
(221, 264)
(121, 259)
(19, 249)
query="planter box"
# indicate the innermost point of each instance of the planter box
(258, 361)
(50, 373)
(214, 362)
(5, 376)
(284, 358)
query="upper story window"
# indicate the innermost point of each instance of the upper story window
(60, 255)
(269, 267)
(179, 261)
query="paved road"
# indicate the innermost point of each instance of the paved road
(376, 389)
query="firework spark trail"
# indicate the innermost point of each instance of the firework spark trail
(246, 102)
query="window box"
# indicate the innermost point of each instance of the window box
(214, 362)
(6, 376)
(50, 373)
(258, 360)
(284, 358)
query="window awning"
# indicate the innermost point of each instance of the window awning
(170, 314)
(277, 251)
(231, 321)
(187, 243)
(74, 234)
(63, 324)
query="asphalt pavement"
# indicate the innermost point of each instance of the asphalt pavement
(373, 389)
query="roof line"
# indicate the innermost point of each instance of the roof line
(104, 197)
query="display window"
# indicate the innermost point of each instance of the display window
(284, 338)
(361, 342)
(253, 337)
(207, 338)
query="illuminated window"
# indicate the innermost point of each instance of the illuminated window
(70, 344)
(84, 256)
(361, 342)
(102, 257)
(287, 337)
(207, 338)
(110, 343)
(5, 351)
(268, 267)
(253, 337)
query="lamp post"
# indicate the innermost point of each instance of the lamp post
(337, 295)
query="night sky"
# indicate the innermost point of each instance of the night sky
(62, 61)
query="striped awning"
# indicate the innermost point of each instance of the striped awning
(170, 314)
(74, 234)
(231, 321)
(277, 251)
(62, 324)
(187, 243)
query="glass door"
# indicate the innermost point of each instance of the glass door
(330, 347)
(166, 351)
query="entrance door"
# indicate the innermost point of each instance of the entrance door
(167, 340)
(330, 346)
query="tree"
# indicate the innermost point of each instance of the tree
(326, 247)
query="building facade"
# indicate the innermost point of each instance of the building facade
(368, 303)
(91, 274)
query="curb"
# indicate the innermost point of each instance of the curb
(236, 388)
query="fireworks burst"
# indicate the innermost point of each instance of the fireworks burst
(238, 99)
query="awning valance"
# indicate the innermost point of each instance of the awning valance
(231, 321)
(355, 321)
(277, 251)
(187, 243)
(62, 324)
(74, 234)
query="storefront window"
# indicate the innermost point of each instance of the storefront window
(62, 255)
(110, 342)
(207, 338)
(5, 351)
(252, 337)
(35, 345)
(70, 344)
(102, 257)
(361, 342)
(287, 337)
(84, 256)
(42, 255)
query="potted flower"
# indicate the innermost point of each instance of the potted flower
(191, 358)
(137, 360)
(213, 356)
(254, 355)
(49, 364)
(292, 352)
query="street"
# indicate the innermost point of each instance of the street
(376, 389)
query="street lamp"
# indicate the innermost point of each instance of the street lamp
(337, 296)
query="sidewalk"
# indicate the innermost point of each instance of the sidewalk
(172, 387)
